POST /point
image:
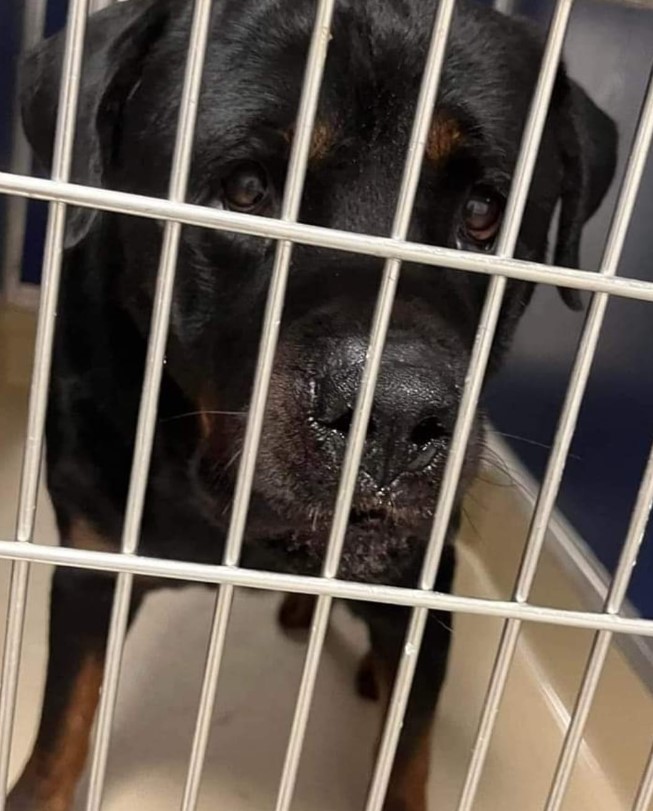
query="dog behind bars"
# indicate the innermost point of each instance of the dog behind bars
(130, 96)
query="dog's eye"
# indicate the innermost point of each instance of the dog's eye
(245, 188)
(482, 215)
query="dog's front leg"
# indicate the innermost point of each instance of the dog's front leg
(387, 625)
(79, 619)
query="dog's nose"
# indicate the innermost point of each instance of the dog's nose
(414, 409)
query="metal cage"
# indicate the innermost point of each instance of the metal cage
(24, 549)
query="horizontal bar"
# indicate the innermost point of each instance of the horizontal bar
(187, 571)
(384, 247)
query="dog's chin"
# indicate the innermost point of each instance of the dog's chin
(375, 550)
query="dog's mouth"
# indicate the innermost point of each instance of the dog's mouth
(377, 541)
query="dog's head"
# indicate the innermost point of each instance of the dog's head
(130, 95)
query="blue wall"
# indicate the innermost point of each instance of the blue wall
(616, 424)
(9, 43)
(10, 13)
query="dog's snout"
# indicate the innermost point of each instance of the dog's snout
(413, 412)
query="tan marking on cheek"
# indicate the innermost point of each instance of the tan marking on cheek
(83, 536)
(56, 773)
(444, 138)
(322, 140)
(206, 423)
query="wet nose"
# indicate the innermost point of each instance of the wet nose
(414, 406)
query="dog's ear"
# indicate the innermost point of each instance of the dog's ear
(587, 140)
(117, 41)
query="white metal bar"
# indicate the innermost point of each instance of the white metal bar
(639, 520)
(274, 309)
(395, 250)
(473, 384)
(269, 337)
(304, 702)
(644, 796)
(338, 589)
(150, 395)
(61, 163)
(559, 452)
(363, 409)
(384, 247)
(214, 655)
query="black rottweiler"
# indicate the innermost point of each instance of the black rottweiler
(131, 88)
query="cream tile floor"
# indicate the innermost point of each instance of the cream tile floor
(162, 673)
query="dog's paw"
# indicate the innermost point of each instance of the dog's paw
(33, 792)
(367, 685)
(22, 798)
(404, 805)
(296, 613)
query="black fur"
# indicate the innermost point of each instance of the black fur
(130, 96)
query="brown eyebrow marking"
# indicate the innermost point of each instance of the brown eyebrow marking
(322, 141)
(444, 137)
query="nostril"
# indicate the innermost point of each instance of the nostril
(427, 431)
(342, 423)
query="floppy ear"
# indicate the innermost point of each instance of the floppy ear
(588, 145)
(117, 41)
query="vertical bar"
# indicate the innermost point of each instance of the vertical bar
(562, 441)
(21, 159)
(150, 396)
(356, 439)
(52, 261)
(267, 349)
(473, 384)
(601, 644)
(617, 595)
(274, 308)
(644, 796)
(207, 697)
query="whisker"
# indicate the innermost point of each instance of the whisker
(471, 523)
(529, 441)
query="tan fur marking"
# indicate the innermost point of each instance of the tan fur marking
(322, 141)
(206, 421)
(83, 536)
(407, 788)
(444, 137)
(56, 774)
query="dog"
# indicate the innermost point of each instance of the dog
(130, 96)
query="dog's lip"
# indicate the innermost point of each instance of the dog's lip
(372, 522)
